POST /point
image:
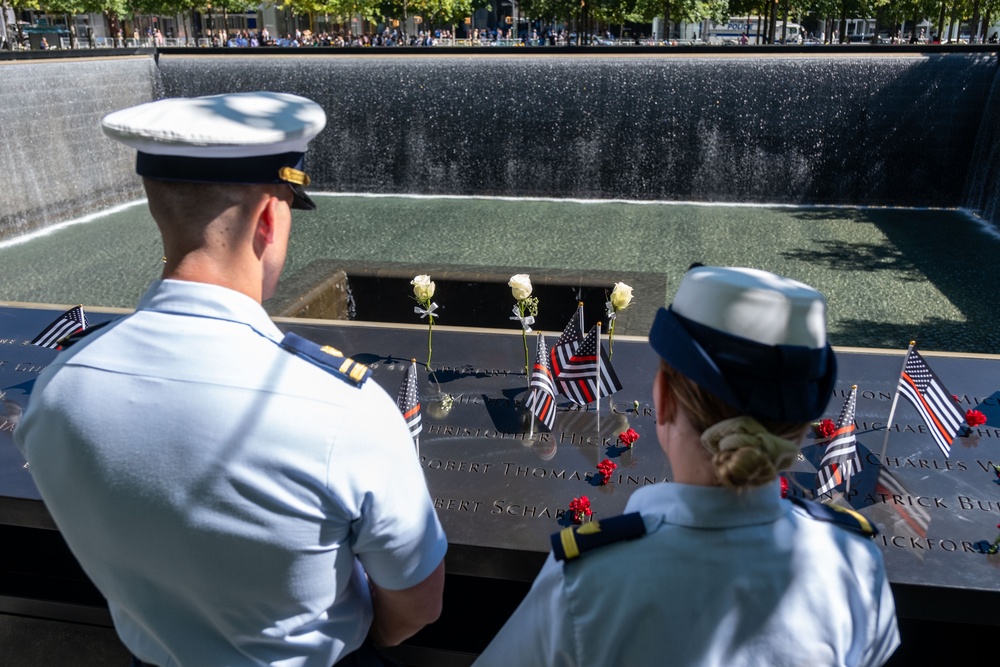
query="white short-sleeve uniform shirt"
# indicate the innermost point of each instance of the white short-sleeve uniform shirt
(721, 579)
(225, 495)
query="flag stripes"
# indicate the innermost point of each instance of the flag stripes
(541, 399)
(408, 401)
(840, 460)
(567, 343)
(70, 322)
(922, 388)
(577, 379)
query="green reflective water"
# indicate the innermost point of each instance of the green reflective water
(889, 275)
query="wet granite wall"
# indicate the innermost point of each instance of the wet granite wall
(883, 130)
(55, 162)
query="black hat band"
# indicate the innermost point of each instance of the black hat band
(263, 169)
(781, 382)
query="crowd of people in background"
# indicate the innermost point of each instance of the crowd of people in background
(396, 36)
(388, 37)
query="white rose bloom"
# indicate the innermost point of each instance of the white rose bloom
(520, 286)
(621, 296)
(423, 287)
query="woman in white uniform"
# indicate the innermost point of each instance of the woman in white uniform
(715, 568)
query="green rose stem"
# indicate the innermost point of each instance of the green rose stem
(611, 338)
(430, 330)
(524, 339)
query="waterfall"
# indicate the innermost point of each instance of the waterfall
(55, 160)
(871, 129)
(983, 189)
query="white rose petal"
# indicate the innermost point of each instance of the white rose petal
(423, 287)
(621, 296)
(520, 286)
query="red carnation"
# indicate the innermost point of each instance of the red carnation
(975, 418)
(606, 467)
(579, 508)
(784, 487)
(628, 438)
(825, 428)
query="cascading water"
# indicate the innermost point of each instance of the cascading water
(870, 130)
(865, 129)
(983, 189)
(55, 163)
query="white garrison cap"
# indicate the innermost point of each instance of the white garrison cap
(754, 339)
(258, 137)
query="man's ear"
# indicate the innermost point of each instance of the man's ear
(266, 215)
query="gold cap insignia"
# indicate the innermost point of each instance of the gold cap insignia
(290, 175)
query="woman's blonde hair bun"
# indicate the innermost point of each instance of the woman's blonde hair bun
(745, 453)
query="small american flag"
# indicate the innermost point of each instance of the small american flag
(542, 398)
(578, 377)
(921, 387)
(67, 324)
(408, 401)
(570, 339)
(840, 460)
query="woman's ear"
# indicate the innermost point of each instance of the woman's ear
(663, 398)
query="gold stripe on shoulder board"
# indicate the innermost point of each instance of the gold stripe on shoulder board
(568, 539)
(329, 349)
(861, 518)
(358, 372)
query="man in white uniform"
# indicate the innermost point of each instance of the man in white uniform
(239, 496)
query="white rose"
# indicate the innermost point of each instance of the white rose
(520, 286)
(423, 287)
(621, 296)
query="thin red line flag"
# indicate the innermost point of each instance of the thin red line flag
(564, 348)
(542, 398)
(921, 387)
(578, 378)
(840, 460)
(408, 401)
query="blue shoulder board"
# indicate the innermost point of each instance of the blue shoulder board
(570, 543)
(846, 518)
(328, 358)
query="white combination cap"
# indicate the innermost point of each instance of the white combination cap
(259, 137)
(753, 304)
